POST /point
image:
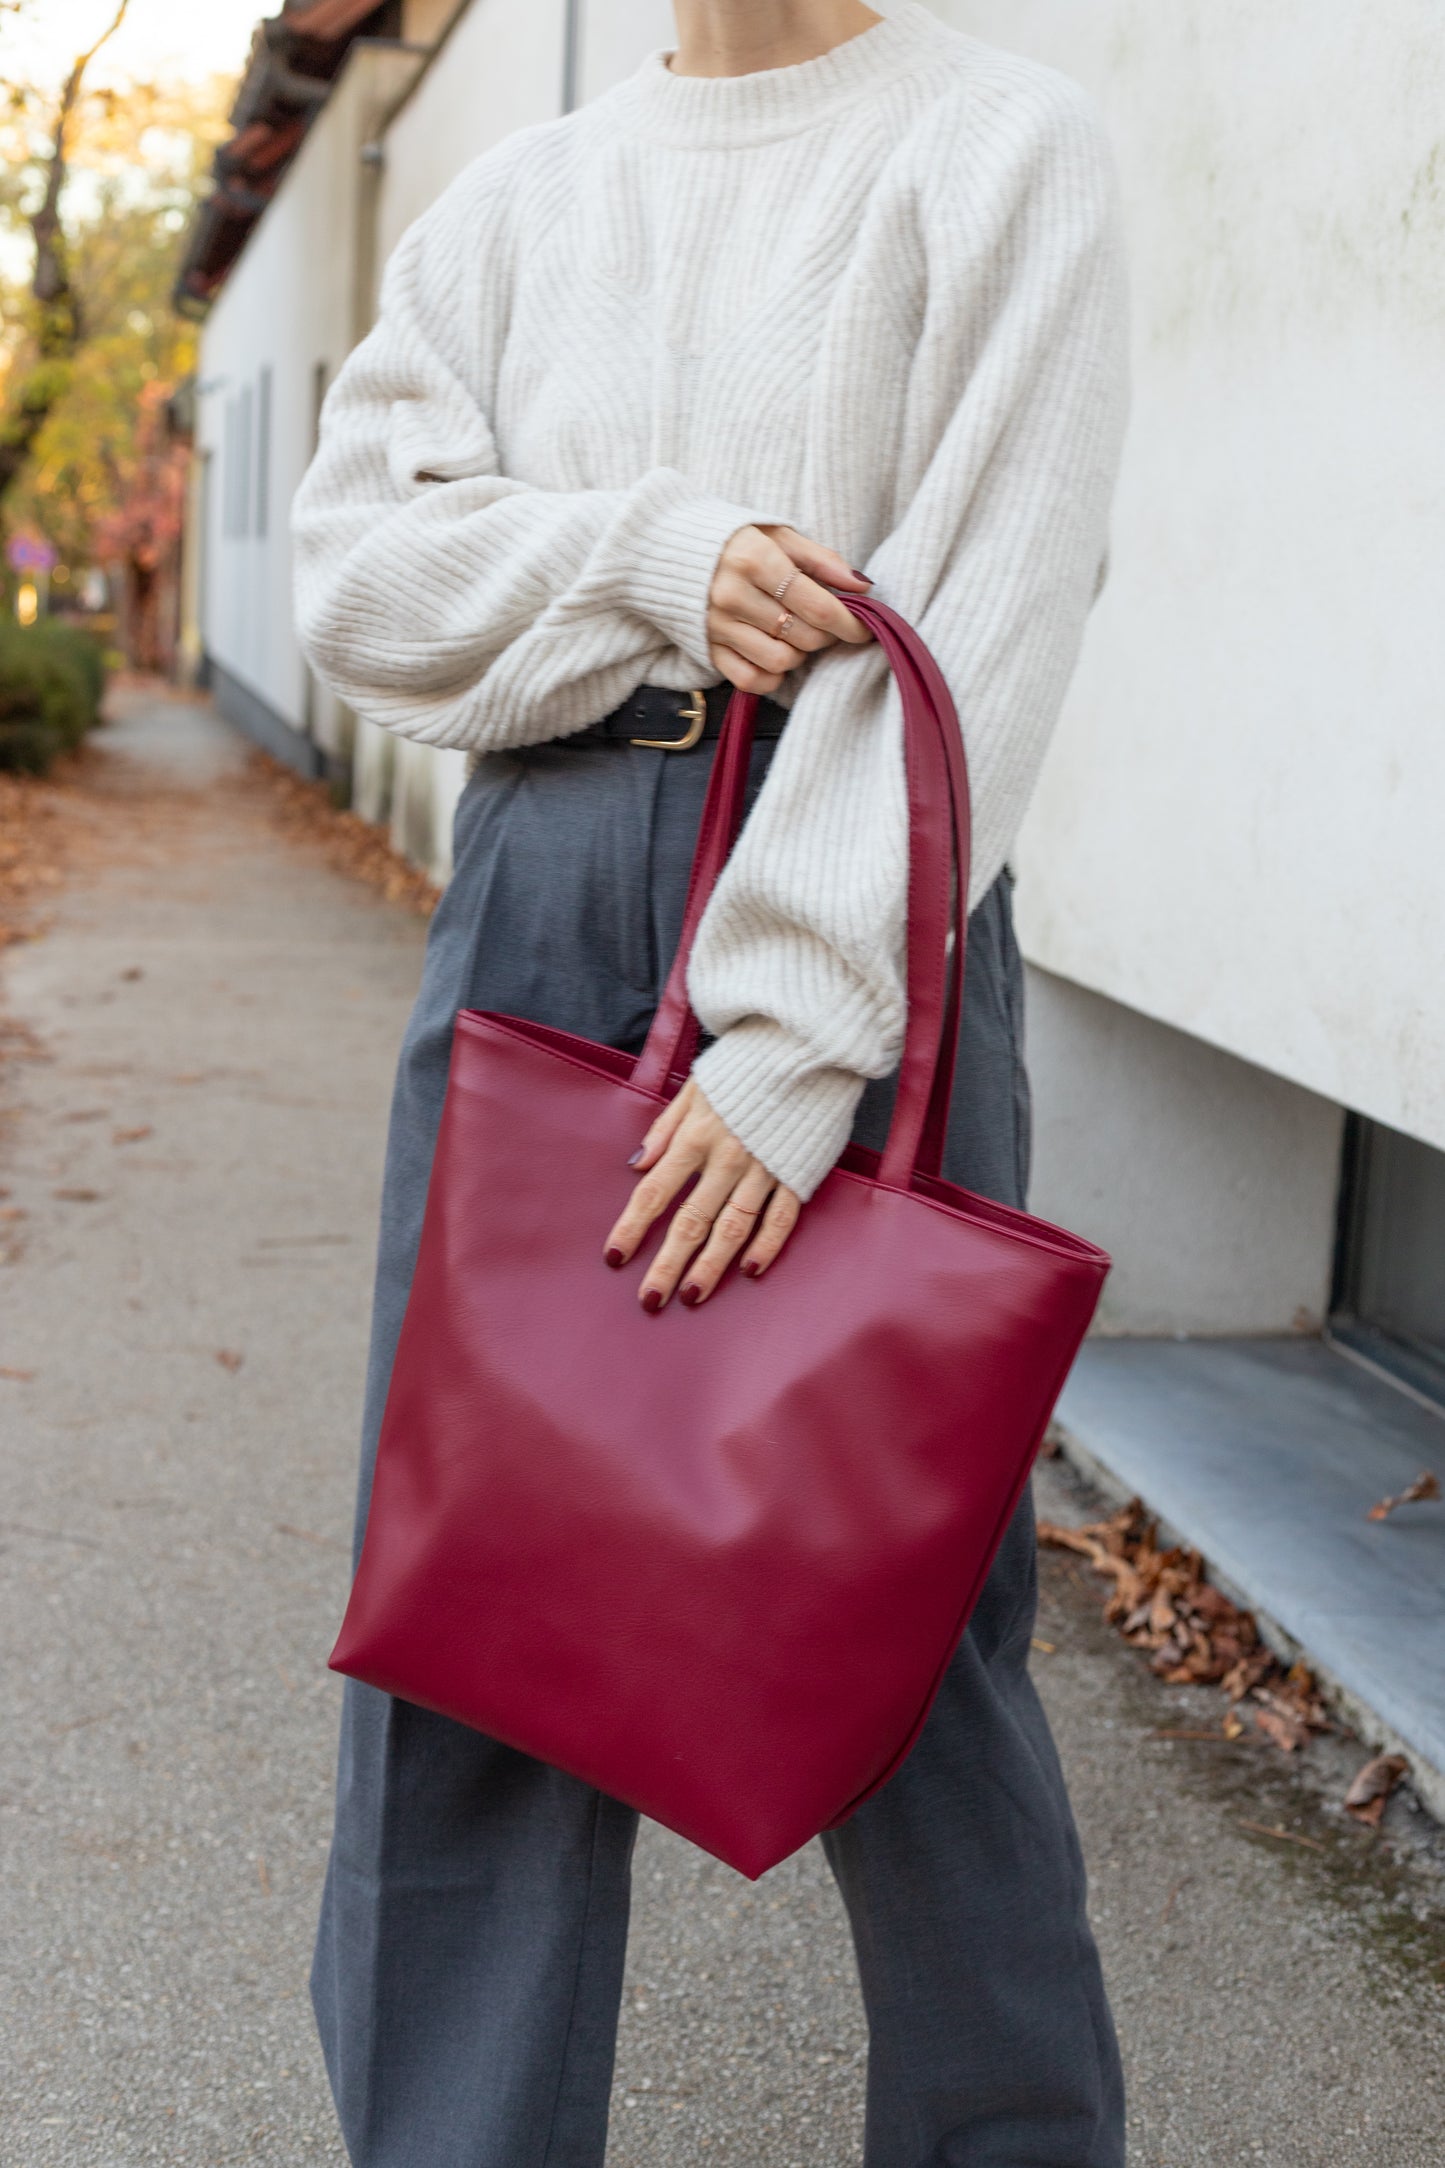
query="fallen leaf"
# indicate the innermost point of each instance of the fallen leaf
(1288, 1732)
(1070, 1539)
(13, 1212)
(1247, 1673)
(17, 1377)
(1049, 1648)
(133, 1136)
(135, 972)
(190, 1076)
(1161, 1601)
(1424, 1486)
(1373, 1784)
(87, 1114)
(78, 1196)
(229, 1358)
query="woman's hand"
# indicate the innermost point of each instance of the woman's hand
(767, 611)
(736, 1204)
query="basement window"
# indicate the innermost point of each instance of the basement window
(1389, 1292)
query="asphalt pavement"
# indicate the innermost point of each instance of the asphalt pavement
(190, 1155)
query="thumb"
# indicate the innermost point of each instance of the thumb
(819, 562)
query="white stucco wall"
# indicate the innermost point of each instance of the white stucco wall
(499, 69)
(290, 306)
(1238, 828)
(1211, 1183)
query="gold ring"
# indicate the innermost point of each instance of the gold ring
(780, 630)
(783, 585)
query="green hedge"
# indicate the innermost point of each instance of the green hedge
(51, 681)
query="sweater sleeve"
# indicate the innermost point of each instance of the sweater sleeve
(445, 601)
(1017, 390)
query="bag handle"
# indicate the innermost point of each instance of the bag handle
(938, 849)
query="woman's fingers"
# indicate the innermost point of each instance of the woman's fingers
(819, 618)
(810, 607)
(692, 1224)
(779, 1220)
(815, 557)
(733, 1201)
(746, 675)
(819, 569)
(677, 1165)
(663, 1129)
(772, 657)
(769, 604)
(735, 1224)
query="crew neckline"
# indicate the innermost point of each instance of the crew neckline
(733, 109)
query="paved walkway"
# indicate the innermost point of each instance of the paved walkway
(192, 1179)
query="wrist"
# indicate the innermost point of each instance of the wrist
(792, 1115)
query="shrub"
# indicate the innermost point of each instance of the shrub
(51, 681)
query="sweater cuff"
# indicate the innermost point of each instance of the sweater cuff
(793, 1116)
(671, 562)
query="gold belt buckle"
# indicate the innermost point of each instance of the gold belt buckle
(694, 716)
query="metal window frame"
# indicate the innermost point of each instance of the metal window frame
(1407, 1363)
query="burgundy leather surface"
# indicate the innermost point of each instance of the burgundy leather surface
(713, 1561)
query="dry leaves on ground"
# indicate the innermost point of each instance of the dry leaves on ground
(1414, 1494)
(1161, 1601)
(31, 850)
(352, 845)
(1372, 1787)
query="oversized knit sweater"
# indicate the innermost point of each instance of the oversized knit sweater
(877, 296)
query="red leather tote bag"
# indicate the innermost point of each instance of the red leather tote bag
(715, 1561)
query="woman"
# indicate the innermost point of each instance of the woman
(816, 274)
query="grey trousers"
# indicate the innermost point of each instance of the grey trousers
(469, 1963)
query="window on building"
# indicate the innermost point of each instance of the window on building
(244, 435)
(228, 472)
(263, 454)
(1390, 1272)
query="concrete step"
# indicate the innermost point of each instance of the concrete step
(1266, 1456)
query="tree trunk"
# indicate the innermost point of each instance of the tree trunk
(59, 326)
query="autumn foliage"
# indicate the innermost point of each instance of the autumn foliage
(99, 186)
(1161, 1601)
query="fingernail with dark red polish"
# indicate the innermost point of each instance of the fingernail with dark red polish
(863, 576)
(691, 1295)
(616, 1259)
(750, 1271)
(635, 1157)
(652, 1301)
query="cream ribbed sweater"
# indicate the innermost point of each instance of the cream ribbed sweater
(877, 296)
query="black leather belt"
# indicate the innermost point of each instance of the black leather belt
(676, 722)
